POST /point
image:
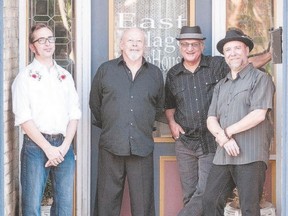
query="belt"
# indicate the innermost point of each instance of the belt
(52, 136)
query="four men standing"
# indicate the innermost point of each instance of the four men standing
(127, 96)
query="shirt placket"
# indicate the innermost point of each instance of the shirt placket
(228, 101)
(197, 100)
(132, 122)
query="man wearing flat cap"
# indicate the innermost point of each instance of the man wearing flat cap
(238, 118)
(188, 91)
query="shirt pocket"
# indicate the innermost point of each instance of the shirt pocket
(179, 94)
(210, 84)
(242, 95)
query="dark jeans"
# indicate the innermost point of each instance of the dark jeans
(194, 167)
(249, 180)
(112, 172)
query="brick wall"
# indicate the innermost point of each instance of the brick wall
(11, 144)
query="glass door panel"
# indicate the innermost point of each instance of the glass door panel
(59, 15)
(161, 20)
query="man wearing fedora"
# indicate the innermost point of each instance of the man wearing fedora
(238, 119)
(189, 89)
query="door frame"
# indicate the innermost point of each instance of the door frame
(83, 84)
(2, 195)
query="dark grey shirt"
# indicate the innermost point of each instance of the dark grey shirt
(234, 99)
(126, 109)
(190, 94)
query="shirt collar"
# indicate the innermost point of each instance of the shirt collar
(120, 60)
(37, 64)
(241, 74)
(182, 69)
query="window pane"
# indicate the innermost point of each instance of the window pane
(161, 20)
(59, 15)
(254, 17)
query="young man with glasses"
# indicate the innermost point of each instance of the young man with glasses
(188, 90)
(46, 107)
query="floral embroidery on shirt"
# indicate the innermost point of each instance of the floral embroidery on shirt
(61, 76)
(35, 74)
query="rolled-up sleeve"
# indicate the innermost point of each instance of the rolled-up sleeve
(20, 100)
(74, 105)
(262, 92)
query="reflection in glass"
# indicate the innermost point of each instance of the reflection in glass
(160, 19)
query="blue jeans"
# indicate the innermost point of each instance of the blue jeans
(249, 180)
(194, 167)
(34, 176)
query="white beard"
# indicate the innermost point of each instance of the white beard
(134, 55)
(236, 65)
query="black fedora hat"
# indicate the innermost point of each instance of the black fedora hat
(188, 32)
(234, 34)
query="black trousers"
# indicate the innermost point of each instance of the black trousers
(249, 180)
(112, 172)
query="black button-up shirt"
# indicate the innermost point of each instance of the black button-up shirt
(126, 109)
(190, 94)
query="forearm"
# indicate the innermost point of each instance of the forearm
(213, 126)
(249, 121)
(170, 115)
(260, 60)
(63, 149)
(70, 133)
(218, 132)
(53, 153)
(33, 133)
(175, 128)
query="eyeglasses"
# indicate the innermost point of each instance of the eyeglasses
(43, 40)
(194, 45)
(130, 41)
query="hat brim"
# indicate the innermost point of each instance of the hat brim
(190, 36)
(245, 40)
